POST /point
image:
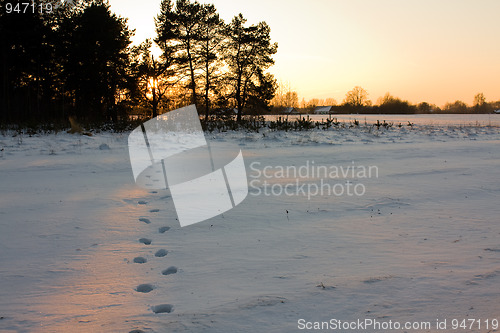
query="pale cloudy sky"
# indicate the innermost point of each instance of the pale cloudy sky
(419, 50)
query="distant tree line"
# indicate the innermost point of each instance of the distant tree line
(77, 60)
(356, 101)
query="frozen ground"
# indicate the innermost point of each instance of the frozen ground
(417, 119)
(83, 249)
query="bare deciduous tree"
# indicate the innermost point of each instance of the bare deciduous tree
(357, 97)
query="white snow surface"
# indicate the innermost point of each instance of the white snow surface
(81, 248)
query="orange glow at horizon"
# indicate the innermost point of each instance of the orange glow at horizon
(432, 51)
(152, 83)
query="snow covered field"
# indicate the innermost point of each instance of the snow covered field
(83, 249)
(417, 119)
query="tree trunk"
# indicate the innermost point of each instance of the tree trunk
(207, 89)
(155, 101)
(238, 98)
(191, 69)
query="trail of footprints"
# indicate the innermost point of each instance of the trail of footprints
(160, 253)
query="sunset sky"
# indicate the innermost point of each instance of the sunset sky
(425, 50)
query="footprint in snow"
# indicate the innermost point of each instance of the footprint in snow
(142, 202)
(145, 220)
(145, 241)
(161, 253)
(170, 270)
(140, 260)
(144, 288)
(162, 230)
(156, 210)
(162, 308)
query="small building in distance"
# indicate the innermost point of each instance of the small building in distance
(290, 110)
(323, 109)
